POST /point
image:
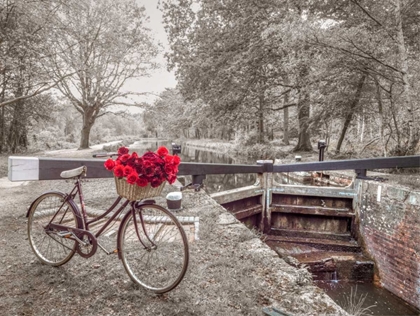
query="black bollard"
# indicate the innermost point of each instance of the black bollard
(176, 149)
(321, 147)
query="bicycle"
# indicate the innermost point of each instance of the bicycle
(151, 242)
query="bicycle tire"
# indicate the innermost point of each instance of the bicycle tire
(161, 268)
(48, 246)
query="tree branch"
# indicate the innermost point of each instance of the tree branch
(36, 92)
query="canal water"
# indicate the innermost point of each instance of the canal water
(378, 300)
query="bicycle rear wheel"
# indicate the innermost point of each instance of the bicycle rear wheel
(157, 257)
(47, 245)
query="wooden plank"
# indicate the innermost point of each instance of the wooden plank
(23, 168)
(257, 209)
(50, 168)
(312, 210)
(228, 196)
(304, 190)
(371, 163)
(195, 168)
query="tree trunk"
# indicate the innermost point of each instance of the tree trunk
(88, 121)
(85, 135)
(413, 136)
(261, 119)
(304, 141)
(350, 111)
(2, 129)
(17, 136)
(2, 120)
(286, 120)
(381, 116)
(362, 127)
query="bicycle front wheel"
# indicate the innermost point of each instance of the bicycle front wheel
(154, 248)
(51, 248)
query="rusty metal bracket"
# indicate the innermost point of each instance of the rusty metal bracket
(198, 178)
(361, 174)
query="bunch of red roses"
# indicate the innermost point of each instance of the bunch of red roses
(153, 168)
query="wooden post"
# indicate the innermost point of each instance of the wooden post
(266, 181)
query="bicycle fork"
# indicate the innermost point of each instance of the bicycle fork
(136, 227)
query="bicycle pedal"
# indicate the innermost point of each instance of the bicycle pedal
(64, 234)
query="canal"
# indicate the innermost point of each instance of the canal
(375, 300)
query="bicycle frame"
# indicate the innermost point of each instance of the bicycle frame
(60, 216)
(84, 223)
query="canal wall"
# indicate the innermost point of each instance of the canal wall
(389, 224)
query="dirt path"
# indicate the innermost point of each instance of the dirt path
(231, 272)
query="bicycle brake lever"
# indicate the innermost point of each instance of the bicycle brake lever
(100, 155)
(195, 186)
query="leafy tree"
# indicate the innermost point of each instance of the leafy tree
(221, 58)
(103, 45)
(22, 76)
(379, 38)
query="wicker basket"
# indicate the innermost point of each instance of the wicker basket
(133, 192)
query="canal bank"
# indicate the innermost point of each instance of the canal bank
(351, 267)
(231, 271)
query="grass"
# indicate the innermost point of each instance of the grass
(354, 304)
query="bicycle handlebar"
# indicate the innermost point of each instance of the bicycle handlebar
(101, 155)
(196, 187)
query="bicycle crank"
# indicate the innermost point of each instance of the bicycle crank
(86, 241)
(88, 245)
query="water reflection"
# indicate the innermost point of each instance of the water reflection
(380, 301)
(213, 183)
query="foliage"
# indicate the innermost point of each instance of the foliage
(350, 67)
(87, 49)
(21, 72)
(103, 45)
(220, 58)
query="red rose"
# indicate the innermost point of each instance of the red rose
(132, 178)
(147, 164)
(109, 164)
(162, 151)
(153, 158)
(176, 160)
(139, 169)
(124, 158)
(119, 171)
(169, 168)
(128, 170)
(149, 171)
(122, 151)
(172, 159)
(139, 161)
(131, 161)
(141, 181)
(155, 182)
(171, 178)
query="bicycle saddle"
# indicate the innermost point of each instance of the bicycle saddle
(72, 173)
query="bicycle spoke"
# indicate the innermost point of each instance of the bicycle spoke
(51, 250)
(161, 266)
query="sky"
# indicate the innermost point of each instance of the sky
(160, 79)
